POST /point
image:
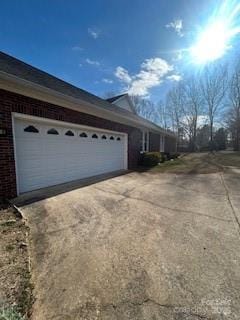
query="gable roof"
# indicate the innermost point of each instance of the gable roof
(115, 98)
(20, 70)
(120, 98)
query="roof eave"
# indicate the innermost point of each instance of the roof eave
(6, 80)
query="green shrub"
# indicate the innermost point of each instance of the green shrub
(171, 155)
(174, 155)
(167, 156)
(162, 157)
(151, 159)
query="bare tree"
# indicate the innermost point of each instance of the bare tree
(233, 114)
(203, 133)
(175, 107)
(214, 87)
(192, 109)
(144, 108)
(163, 117)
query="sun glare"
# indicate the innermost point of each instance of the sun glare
(214, 41)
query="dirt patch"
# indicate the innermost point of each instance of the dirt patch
(16, 289)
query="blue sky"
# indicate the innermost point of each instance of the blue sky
(106, 45)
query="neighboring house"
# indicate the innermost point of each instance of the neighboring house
(52, 132)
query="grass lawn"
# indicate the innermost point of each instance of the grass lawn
(202, 163)
(231, 159)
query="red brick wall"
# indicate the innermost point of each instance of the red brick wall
(11, 102)
(170, 144)
(154, 141)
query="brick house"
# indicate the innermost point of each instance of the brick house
(52, 132)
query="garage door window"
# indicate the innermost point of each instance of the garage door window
(69, 133)
(31, 129)
(94, 136)
(104, 137)
(53, 131)
(118, 138)
(83, 135)
(111, 138)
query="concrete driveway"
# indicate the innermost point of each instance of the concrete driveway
(138, 246)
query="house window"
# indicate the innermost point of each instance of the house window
(69, 133)
(52, 131)
(83, 135)
(145, 141)
(94, 136)
(31, 129)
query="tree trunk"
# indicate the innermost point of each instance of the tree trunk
(237, 144)
(211, 146)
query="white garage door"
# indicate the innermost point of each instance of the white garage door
(49, 154)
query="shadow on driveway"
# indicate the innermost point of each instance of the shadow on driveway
(44, 193)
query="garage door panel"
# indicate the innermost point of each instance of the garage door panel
(45, 159)
(29, 145)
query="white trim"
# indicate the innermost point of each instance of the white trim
(148, 138)
(29, 89)
(15, 84)
(28, 117)
(144, 132)
(15, 154)
(162, 143)
(126, 152)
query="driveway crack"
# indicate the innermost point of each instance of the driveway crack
(125, 196)
(148, 300)
(230, 202)
(189, 190)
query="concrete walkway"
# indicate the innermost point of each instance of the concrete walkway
(138, 246)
